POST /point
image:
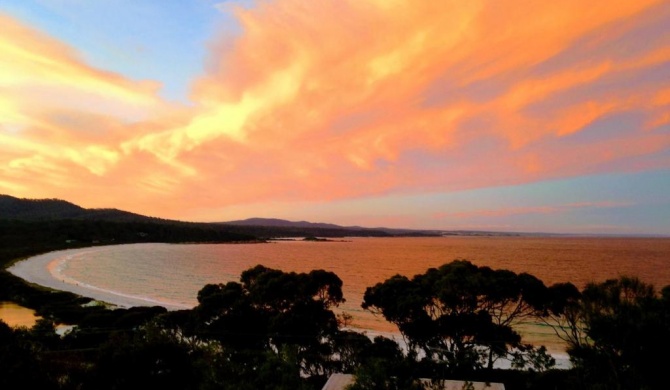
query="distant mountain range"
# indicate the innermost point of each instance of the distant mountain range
(282, 223)
(22, 209)
(35, 210)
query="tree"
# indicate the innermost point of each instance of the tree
(286, 313)
(349, 349)
(459, 313)
(626, 331)
(19, 362)
(562, 310)
(385, 367)
(146, 358)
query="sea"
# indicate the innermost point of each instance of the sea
(172, 274)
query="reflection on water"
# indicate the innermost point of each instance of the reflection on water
(15, 315)
(173, 274)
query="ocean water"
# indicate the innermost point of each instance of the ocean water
(169, 274)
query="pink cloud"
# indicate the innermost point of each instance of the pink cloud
(323, 101)
(551, 209)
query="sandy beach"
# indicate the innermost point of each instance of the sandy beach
(44, 271)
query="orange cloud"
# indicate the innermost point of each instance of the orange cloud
(553, 209)
(61, 120)
(357, 116)
(59, 117)
(35, 64)
(343, 99)
(660, 110)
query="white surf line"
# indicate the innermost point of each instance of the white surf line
(46, 270)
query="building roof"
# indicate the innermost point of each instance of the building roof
(340, 381)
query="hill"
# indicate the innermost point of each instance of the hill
(39, 225)
(304, 228)
(43, 210)
(56, 209)
(283, 223)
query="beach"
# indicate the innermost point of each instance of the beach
(44, 270)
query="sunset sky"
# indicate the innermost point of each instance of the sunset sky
(549, 116)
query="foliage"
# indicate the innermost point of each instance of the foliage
(459, 313)
(562, 310)
(627, 332)
(277, 330)
(385, 367)
(20, 366)
(146, 358)
(271, 310)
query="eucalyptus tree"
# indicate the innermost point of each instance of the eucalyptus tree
(459, 313)
(285, 313)
(624, 328)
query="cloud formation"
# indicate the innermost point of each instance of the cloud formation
(57, 111)
(553, 209)
(329, 100)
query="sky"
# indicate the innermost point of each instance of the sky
(456, 115)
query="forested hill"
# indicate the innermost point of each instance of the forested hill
(271, 226)
(57, 209)
(31, 226)
(44, 210)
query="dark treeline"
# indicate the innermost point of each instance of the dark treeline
(279, 330)
(20, 239)
(57, 210)
(296, 231)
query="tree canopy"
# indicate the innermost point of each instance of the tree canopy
(624, 328)
(459, 313)
(277, 330)
(286, 312)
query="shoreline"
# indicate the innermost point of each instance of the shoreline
(39, 270)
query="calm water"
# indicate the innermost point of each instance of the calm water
(15, 315)
(173, 274)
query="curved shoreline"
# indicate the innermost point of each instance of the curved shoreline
(37, 270)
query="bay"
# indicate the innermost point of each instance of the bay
(171, 275)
